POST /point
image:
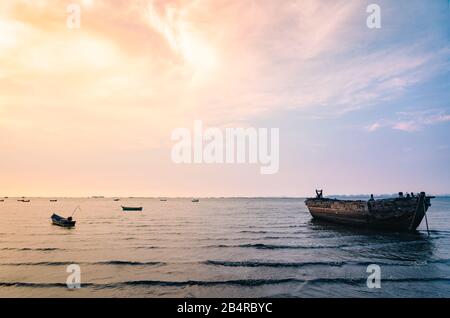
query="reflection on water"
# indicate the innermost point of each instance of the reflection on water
(214, 248)
(415, 247)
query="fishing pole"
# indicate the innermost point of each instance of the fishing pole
(77, 208)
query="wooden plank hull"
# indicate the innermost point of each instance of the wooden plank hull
(399, 214)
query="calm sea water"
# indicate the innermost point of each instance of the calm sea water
(214, 248)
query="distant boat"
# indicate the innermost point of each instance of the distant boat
(195, 200)
(116, 200)
(163, 200)
(97, 197)
(404, 213)
(60, 221)
(22, 200)
(130, 208)
(53, 200)
(2, 200)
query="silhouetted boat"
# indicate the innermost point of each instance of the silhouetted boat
(2, 200)
(131, 208)
(116, 200)
(403, 213)
(163, 200)
(53, 200)
(195, 200)
(64, 222)
(22, 200)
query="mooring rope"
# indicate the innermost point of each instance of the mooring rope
(415, 212)
(426, 220)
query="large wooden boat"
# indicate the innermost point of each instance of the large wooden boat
(403, 213)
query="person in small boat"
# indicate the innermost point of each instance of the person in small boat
(407, 195)
(69, 219)
(400, 194)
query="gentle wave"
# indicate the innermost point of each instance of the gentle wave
(270, 264)
(40, 285)
(305, 264)
(41, 249)
(273, 247)
(239, 282)
(237, 263)
(131, 263)
(114, 262)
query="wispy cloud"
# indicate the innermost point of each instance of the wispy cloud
(417, 120)
(411, 121)
(441, 118)
(408, 126)
(373, 127)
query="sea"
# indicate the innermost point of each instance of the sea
(218, 247)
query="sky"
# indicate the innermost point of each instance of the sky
(90, 110)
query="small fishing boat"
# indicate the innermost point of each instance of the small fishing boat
(2, 200)
(22, 200)
(116, 200)
(53, 200)
(131, 208)
(64, 222)
(163, 200)
(195, 200)
(403, 213)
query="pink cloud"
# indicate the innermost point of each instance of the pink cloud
(441, 118)
(408, 126)
(373, 127)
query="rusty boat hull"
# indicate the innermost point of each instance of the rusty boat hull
(394, 214)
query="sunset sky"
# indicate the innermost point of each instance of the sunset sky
(90, 111)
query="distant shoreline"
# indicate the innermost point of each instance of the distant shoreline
(217, 197)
